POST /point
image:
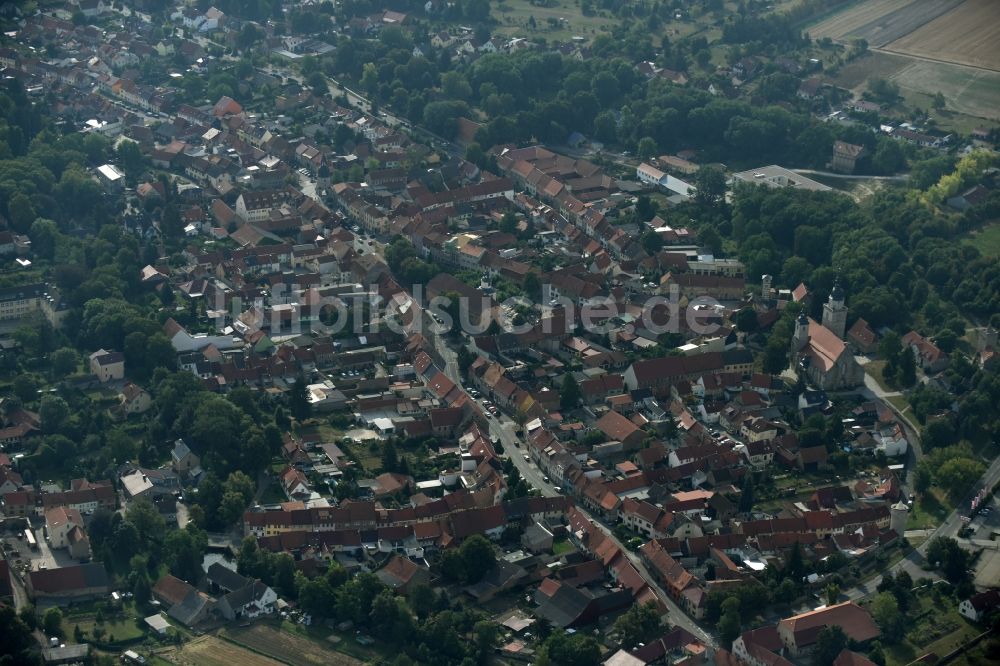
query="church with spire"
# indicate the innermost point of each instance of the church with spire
(819, 354)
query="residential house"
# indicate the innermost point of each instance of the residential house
(759, 454)
(618, 428)
(979, 606)
(10, 481)
(59, 522)
(799, 633)
(248, 602)
(182, 459)
(401, 574)
(693, 285)
(133, 399)
(760, 647)
(136, 483)
(928, 355)
(83, 496)
(107, 366)
(862, 337)
(645, 518)
(845, 156)
(295, 484)
(66, 585)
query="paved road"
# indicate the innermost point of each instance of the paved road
(830, 174)
(504, 429)
(516, 449)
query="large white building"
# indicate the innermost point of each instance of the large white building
(650, 175)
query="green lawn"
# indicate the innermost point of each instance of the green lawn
(932, 627)
(560, 546)
(986, 240)
(877, 370)
(928, 511)
(123, 626)
(273, 494)
(899, 402)
(347, 643)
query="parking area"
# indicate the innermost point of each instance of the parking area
(988, 569)
(23, 558)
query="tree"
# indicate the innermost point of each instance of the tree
(53, 413)
(795, 568)
(907, 368)
(639, 624)
(298, 399)
(478, 557)
(885, 611)
(16, 640)
(746, 320)
(141, 589)
(22, 213)
(390, 458)
(923, 478)
(876, 654)
(729, 623)
(710, 186)
(316, 596)
(746, 495)
(830, 642)
(647, 147)
(958, 474)
(64, 361)
(569, 392)
(562, 649)
(238, 482)
(645, 209)
(652, 242)
(888, 157)
(148, 522)
(477, 11)
(508, 223)
(26, 386)
(945, 554)
(231, 508)
(486, 635)
(52, 622)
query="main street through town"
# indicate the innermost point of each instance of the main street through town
(516, 449)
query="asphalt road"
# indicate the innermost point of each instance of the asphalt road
(503, 428)
(516, 449)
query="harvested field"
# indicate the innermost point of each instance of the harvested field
(903, 21)
(968, 34)
(838, 26)
(973, 92)
(854, 75)
(212, 651)
(882, 21)
(288, 647)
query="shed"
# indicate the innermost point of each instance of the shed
(158, 623)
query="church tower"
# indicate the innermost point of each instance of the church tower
(835, 312)
(801, 336)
